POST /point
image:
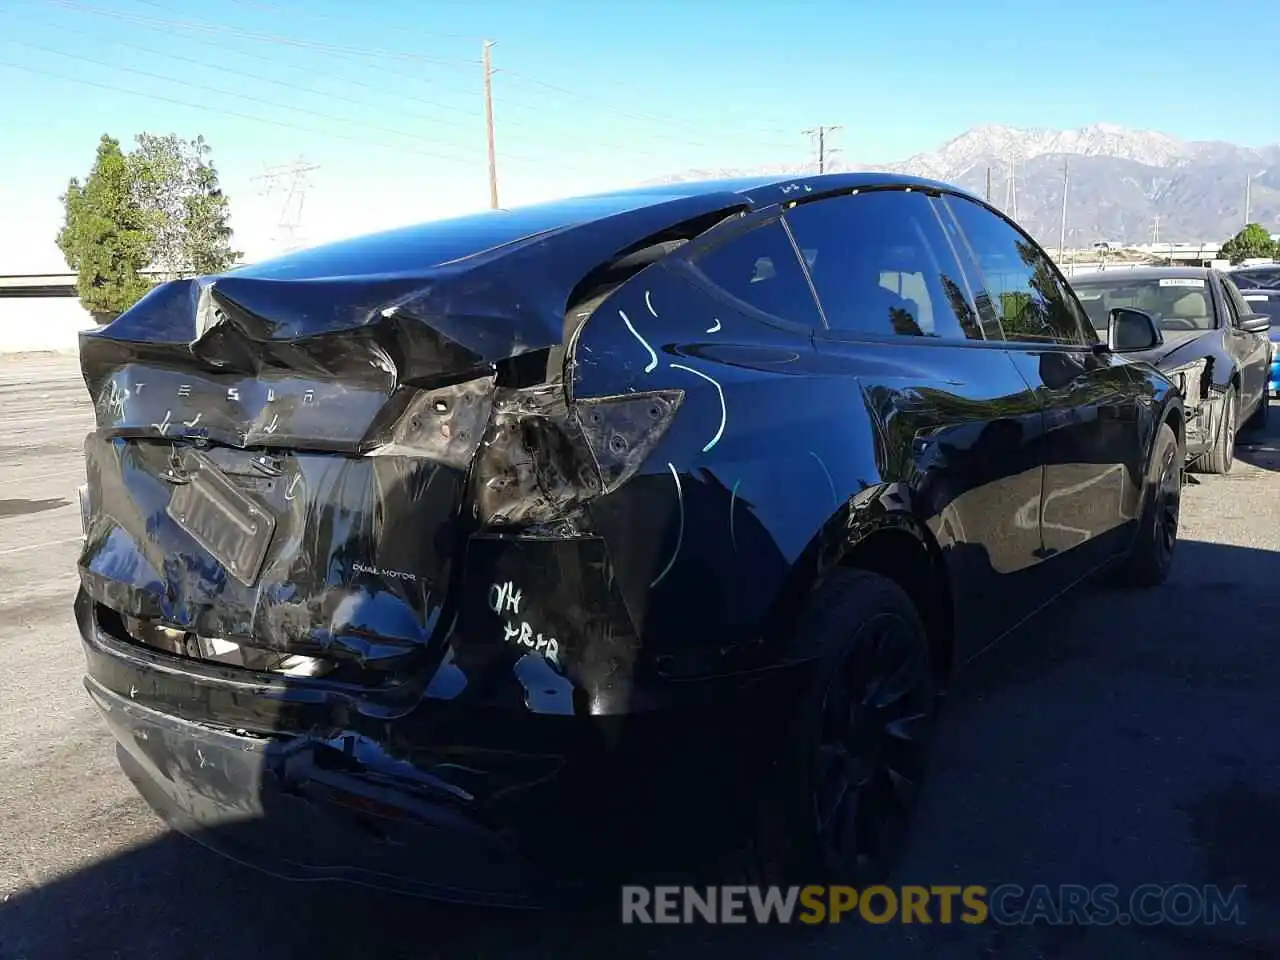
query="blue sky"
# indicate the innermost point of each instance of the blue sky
(386, 96)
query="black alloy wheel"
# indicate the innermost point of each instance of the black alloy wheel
(876, 723)
(1150, 558)
(1167, 505)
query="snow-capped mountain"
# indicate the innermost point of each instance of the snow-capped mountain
(1121, 182)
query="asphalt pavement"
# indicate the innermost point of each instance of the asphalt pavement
(1124, 738)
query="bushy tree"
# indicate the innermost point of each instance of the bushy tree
(1252, 241)
(186, 212)
(105, 237)
(158, 207)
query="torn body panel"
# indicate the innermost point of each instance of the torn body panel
(1201, 399)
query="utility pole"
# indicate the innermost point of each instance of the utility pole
(1248, 190)
(988, 184)
(1156, 235)
(1013, 175)
(1062, 238)
(488, 119)
(821, 133)
(292, 177)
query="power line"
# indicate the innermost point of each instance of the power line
(334, 50)
(364, 103)
(397, 132)
(223, 50)
(254, 118)
(240, 96)
(363, 54)
(225, 112)
(271, 8)
(210, 27)
(166, 28)
(259, 78)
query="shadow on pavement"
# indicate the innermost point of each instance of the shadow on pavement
(1261, 448)
(1124, 738)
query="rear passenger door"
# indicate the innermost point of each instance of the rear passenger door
(957, 423)
(1098, 416)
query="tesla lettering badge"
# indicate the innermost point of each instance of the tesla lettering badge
(309, 396)
(233, 394)
(184, 390)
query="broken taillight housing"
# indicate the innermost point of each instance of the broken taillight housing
(542, 457)
(534, 457)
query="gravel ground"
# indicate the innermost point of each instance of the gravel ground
(1122, 738)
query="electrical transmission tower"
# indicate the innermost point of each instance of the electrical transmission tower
(1011, 188)
(822, 145)
(289, 180)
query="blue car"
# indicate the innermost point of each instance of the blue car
(1267, 302)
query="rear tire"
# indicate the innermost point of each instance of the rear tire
(1151, 555)
(1221, 455)
(839, 804)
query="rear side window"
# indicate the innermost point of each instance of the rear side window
(761, 270)
(1032, 303)
(882, 265)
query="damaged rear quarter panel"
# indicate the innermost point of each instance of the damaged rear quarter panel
(707, 540)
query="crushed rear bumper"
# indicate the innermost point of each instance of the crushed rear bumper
(438, 796)
(282, 807)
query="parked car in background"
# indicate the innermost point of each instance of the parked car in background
(569, 541)
(1267, 302)
(1261, 277)
(1215, 346)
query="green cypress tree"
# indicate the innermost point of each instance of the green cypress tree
(104, 237)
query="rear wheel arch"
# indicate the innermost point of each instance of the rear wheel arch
(901, 549)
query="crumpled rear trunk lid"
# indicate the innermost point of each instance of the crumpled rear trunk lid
(278, 470)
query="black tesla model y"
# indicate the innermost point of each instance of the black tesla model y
(628, 534)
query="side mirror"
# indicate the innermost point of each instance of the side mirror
(1130, 331)
(1255, 323)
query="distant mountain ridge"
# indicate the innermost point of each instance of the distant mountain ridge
(1121, 182)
